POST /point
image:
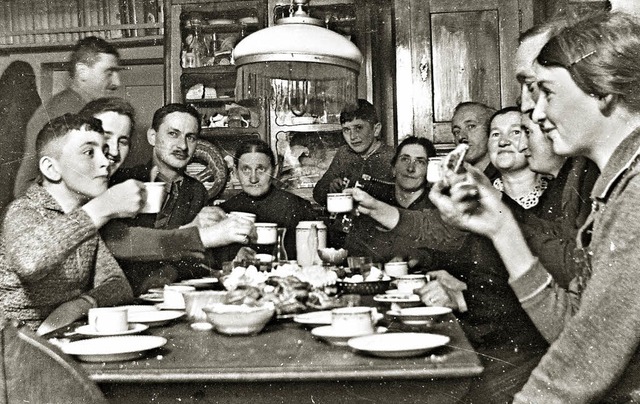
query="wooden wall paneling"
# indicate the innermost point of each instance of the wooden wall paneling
(173, 70)
(422, 70)
(384, 69)
(509, 32)
(466, 60)
(413, 48)
(404, 77)
(362, 28)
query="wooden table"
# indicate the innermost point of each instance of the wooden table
(284, 364)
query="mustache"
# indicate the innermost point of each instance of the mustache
(180, 154)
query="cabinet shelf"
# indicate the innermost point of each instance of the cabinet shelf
(225, 28)
(222, 132)
(215, 69)
(314, 127)
(209, 101)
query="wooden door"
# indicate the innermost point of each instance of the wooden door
(450, 51)
(143, 87)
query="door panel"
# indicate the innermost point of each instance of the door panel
(143, 87)
(450, 51)
(466, 60)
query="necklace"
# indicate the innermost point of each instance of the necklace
(529, 200)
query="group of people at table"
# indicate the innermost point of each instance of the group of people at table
(538, 230)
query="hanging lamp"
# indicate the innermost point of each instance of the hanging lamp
(299, 66)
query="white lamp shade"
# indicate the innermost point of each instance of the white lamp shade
(297, 43)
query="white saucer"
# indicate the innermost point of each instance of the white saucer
(397, 298)
(397, 292)
(165, 306)
(199, 282)
(88, 330)
(314, 319)
(337, 336)
(419, 315)
(136, 308)
(155, 318)
(152, 297)
(398, 345)
(111, 349)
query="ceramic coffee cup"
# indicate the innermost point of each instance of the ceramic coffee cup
(155, 197)
(353, 320)
(339, 203)
(409, 283)
(396, 269)
(173, 297)
(434, 169)
(267, 233)
(245, 215)
(109, 320)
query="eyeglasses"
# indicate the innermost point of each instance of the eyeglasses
(418, 161)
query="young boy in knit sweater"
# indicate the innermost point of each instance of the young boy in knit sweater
(53, 264)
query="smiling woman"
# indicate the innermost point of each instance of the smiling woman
(505, 145)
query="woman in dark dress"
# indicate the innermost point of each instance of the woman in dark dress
(254, 168)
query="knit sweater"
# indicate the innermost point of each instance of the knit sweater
(48, 257)
(594, 323)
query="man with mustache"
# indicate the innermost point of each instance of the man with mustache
(136, 243)
(173, 134)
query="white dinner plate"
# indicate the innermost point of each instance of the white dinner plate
(314, 318)
(111, 349)
(398, 345)
(88, 330)
(155, 318)
(419, 315)
(338, 336)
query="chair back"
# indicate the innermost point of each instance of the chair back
(34, 371)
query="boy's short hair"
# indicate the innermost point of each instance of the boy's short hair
(59, 127)
(362, 109)
(161, 113)
(110, 104)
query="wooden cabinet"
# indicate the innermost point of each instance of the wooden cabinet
(207, 80)
(450, 51)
